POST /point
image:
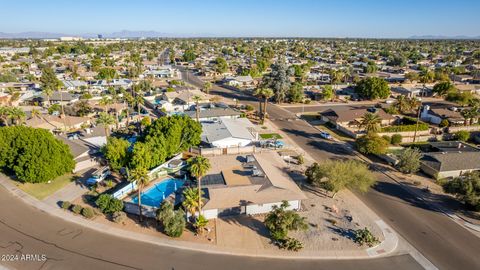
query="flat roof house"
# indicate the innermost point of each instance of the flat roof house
(248, 185)
(229, 133)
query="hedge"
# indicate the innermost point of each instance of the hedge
(422, 126)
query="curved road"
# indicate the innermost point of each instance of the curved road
(26, 230)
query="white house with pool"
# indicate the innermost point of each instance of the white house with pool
(250, 185)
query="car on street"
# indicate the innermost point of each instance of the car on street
(326, 135)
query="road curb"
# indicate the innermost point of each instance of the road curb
(183, 245)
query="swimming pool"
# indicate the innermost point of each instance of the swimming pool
(156, 194)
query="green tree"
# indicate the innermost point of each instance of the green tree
(466, 188)
(462, 135)
(296, 94)
(116, 152)
(221, 65)
(443, 88)
(108, 204)
(107, 73)
(373, 88)
(409, 160)
(49, 82)
(106, 121)
(200, 223)
(207, 86)
(173, 221)
(372, 144)
(140, 177)
(336, 175)
(189, 55)
(278, 80)
(370, 122)
(198, 167)
(328, 93)
(33, 155)
(279, 221)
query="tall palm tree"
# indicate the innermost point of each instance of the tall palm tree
(36, 113)
(370, 122)
(199, 166)
(105, 120)
(105, 101)
(140, 177)
(197, 107)
(138, 102)
(265, 94)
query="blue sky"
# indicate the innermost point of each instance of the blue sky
(310, 18)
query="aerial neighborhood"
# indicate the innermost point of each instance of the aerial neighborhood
(259, 144)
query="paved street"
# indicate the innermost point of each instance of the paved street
(446, 244)
(26, 230)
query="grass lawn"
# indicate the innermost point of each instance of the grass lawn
(43, 190)
(270, 136)
(335, 133)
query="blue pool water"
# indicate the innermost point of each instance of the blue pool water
(156, 194)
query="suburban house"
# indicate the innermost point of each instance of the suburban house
(435, 115)
(214, 113)
(81, 154)
(228, 133)
(450, 159)
(412, 90)
(179, 100)
(352, 117)
(57, 97)
(249, 185)
(240, 81)
(56, 123)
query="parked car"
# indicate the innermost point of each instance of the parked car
(272, 144)
(98, 176)
(325, 135)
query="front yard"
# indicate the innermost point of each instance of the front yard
(43, 190)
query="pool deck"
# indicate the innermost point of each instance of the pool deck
(152, 184)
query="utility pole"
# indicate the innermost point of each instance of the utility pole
(418, 120)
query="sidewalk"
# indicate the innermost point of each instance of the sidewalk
(386, 247)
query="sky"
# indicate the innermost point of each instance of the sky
(231, 18)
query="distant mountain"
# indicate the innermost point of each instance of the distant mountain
(120, 34)
(443, 37)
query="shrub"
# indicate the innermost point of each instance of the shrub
(88, 212)
(249, 107)
(119, 217)
(66, 205)
(396, 139)
(280, 221)
(77, 209)
(409, 160)
(108, 204)
(444, 123)
(173, 221)
(462, 135)
(466, 188)
(365, 237)
(372, 144)
(387, 138)
(291, 244)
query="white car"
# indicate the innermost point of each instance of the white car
(98, 176)
(325, 135)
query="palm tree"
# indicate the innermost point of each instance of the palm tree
(140, 177)
(36, 113)
(264, 93)
(207, 86)
(199, 166)
(105, 101)
(470, 114)
(17, 115)
(48, 92)
(138, 100)
(5, 114)
(197, 107)
(201, 223)
(190, 201)
(402, 104)
(370, 122)
(105, 120)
